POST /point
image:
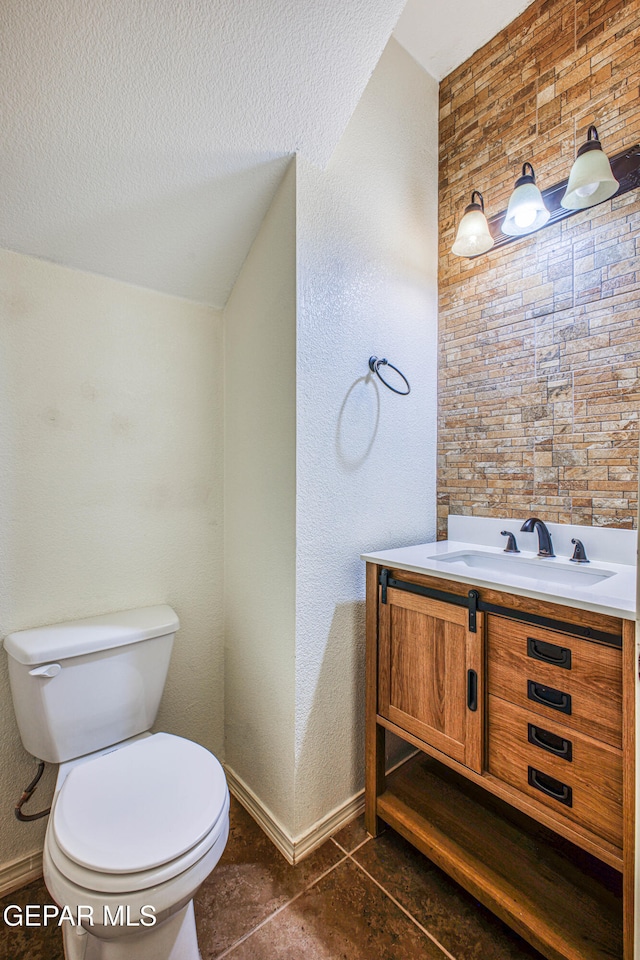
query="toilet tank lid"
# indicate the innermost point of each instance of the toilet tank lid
(77, 637)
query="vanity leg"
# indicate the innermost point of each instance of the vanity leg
(629, 682)
(374, 734)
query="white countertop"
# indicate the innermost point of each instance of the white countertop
(615, 595)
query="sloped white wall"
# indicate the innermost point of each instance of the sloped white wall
(110, 485)
(260, 491)
(367, 267)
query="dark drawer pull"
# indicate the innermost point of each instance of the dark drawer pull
(549, 697)
(472, 689)
(552, 787)
(546, 740)
(549, 653)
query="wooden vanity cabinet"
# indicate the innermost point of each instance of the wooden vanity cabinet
(524, 786)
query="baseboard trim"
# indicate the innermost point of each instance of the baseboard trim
(20, 872)
(295, 850)
(261, 814)
(317, 834)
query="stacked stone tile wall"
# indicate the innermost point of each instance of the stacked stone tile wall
(539, 363)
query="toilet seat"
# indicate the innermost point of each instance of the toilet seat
(139, 815)
(127, 883)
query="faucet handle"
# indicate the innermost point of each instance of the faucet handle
(512, 546)
(579, 553)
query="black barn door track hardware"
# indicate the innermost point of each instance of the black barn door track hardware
(473, 603)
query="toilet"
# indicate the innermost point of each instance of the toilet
(138, 819)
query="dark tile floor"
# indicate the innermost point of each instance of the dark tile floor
(353, 899)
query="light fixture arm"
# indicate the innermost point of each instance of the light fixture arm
(529, 177)
(592, 142)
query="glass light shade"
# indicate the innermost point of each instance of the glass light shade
(473, 237)
(591, 180)
(526, 211)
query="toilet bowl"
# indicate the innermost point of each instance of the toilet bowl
(132, 835)
(138, 820)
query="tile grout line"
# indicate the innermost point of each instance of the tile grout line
(405, 911)
(349, 853)
(283, 906)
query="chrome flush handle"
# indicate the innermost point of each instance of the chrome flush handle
(48, 670)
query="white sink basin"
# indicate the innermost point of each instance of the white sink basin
(552, 570)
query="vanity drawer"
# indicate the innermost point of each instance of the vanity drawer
(560, 677)
(578, 778)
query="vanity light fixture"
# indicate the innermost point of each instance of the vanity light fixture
(473, 237)
(592, 174)
(591, 180)
(526, 211)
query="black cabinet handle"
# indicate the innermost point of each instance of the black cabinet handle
(549, 697)
(546, 740)
(472, 690)
(549, 653)
(551, 787)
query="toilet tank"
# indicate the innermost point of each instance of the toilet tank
(86, 684)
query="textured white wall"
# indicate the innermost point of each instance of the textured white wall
(440, 42)
(110, 484)
(367, 262)
(260, 470)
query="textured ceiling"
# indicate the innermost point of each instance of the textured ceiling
(144, 139)
(441, 36)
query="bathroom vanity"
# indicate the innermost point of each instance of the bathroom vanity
(518, 687)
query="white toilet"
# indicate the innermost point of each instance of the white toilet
(138, 820)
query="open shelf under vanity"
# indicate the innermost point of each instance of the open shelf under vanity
(565, 902)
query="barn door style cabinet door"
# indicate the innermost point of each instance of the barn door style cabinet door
(431, 673)
(523, 789)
